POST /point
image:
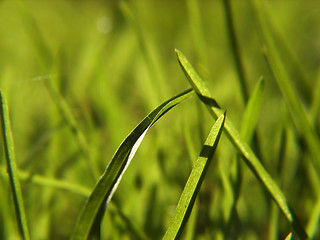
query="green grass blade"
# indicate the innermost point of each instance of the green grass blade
(234, 136)
(108, 182)
(194, 182)
(12, 169)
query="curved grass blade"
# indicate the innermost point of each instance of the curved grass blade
(108, 182)
(12, 169)
(194, 182)
(250, 158)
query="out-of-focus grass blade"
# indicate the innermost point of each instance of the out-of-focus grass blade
(12, 168)
(154, 91)
(248, 126)
(234, 136)
(50, 182)
(313, 223)
(194, 182)
(108, 182)
(72, 123)
(297, 111)
(282, 78)
(196, 28)
(250, 116)
(315, 106)
(234, 43)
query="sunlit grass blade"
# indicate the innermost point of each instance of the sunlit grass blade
(234, 136)
(108, 182)
(12, 169)
(194, 182)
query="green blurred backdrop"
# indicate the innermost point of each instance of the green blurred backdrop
(113, 62)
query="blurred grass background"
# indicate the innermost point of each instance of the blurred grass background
(112, 63)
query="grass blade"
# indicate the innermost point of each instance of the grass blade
(194, 182)
(234, 136)
(12, 169)
(108, 182)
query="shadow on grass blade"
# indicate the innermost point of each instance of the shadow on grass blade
(108, 182)
(12, 169)
(250, 158)
(194, 182)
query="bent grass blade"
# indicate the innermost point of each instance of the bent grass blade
(194, 182)
(250, 158)
(12, 168)
(108, 182)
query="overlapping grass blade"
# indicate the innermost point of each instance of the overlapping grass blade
(108, 182)
(12, 168)
(194, 182)
(234, 136)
